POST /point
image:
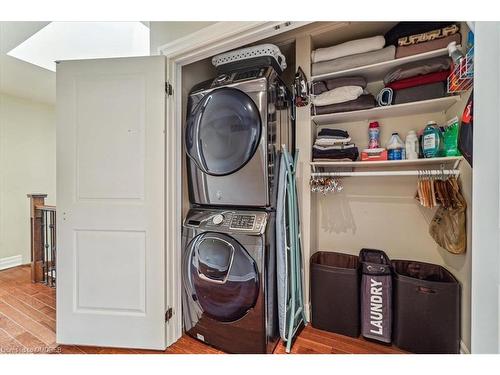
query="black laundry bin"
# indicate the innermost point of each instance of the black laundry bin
(335, 292)
(426, 308)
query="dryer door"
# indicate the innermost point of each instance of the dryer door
(223, 277)
(223, 131)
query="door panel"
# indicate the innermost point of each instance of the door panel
(111, 158)
(122, 251)
(110, 196)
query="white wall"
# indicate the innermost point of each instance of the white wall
(27, 165)
(485, 243)
(164, 32)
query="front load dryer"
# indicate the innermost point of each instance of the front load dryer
(228, 277)
(236, 124)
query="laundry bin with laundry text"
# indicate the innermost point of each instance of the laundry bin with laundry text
(376, 295)
(335, 292)
(426, 308)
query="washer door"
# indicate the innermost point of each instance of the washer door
(223, 277)
(223, 131)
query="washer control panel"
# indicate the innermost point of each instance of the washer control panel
(242, 222)
(251, 222)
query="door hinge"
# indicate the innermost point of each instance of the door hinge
(169, 89)
(168, 314)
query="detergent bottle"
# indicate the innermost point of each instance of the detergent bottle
(395, 148)
(432, 140)
(411, 145)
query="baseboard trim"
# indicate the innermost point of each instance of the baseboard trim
(10, 262)
(463, 348)
(307, 312)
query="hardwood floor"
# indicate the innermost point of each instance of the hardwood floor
(27, 313)
(27, 325)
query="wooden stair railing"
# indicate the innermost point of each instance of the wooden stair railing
(43, 240)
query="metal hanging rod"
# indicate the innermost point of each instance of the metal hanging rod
(423, 173)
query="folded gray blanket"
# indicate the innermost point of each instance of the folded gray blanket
(320, 87)
(418, 93)
(363, 102)
(349, 48)
(353, 61)
(417, 68)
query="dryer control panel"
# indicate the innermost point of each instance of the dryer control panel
(239, 76)
(249, 222)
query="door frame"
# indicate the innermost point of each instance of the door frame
(223, 36)
(207, 42)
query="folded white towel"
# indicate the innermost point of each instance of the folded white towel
(338, 95)
(348, 48)
(336, 147)
(331, 142)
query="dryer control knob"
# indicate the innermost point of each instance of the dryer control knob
(218, 219)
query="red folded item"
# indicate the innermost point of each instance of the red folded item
(419, 80)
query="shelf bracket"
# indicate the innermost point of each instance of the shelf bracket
(457, 163)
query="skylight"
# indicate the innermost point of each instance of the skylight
(83, 40)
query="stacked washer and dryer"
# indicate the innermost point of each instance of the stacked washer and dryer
(236, 124)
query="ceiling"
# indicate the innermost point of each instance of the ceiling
(29, 81)
(20, 78)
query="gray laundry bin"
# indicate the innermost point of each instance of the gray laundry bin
(376, 295)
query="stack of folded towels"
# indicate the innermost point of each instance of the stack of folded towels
(340, 95)
(420, 80)
(412, 38)
(334, 144)
(351, 54)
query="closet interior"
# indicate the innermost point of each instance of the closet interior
(367, 204)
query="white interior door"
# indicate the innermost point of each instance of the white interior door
(110, 202)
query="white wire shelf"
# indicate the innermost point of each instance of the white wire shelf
(442, 166)
(377, 72)
(449, 160)
(397, 110)
(435, 172)
(462, 77)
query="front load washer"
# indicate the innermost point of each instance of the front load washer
(236, 124)
(228, 277)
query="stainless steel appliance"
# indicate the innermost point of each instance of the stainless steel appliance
(236, 124)
(229, 292)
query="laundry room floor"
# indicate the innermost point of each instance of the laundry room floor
(28, 324)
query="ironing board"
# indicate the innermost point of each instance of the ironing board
(289, 255)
